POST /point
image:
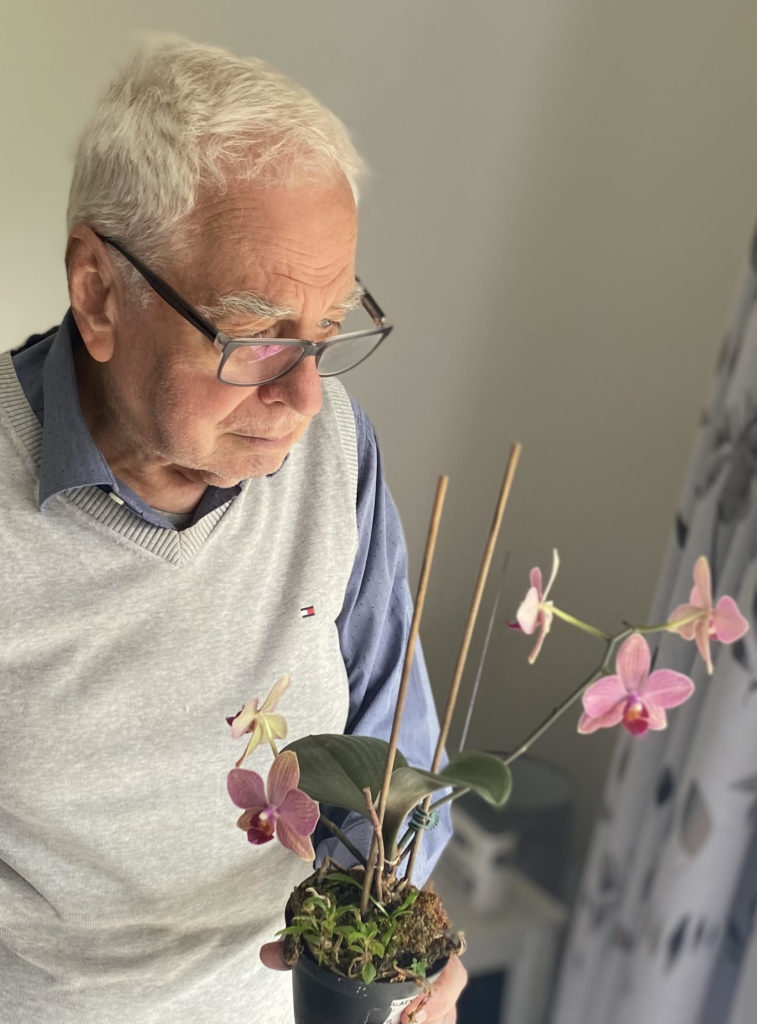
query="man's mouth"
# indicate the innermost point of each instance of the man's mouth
(281, 441)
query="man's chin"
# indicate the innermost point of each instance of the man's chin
(228, 476)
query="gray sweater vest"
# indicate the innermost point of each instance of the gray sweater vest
(127, 894)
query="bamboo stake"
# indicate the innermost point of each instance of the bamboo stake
(420, 599)
(504, 494)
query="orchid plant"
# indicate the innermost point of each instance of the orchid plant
(346, 771)
(371, 777)
(396, 931)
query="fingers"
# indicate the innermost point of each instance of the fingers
(438, 1005)
(272, 955)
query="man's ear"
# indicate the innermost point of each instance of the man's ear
(93, 290)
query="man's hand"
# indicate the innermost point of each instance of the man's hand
(434, 1007)
(438, 1005)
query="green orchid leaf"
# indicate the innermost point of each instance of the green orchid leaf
(335, 769)
(408, 787)
(485, 774)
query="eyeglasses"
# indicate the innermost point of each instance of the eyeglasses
(249, 362)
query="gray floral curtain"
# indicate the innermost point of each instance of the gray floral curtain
(663, 927)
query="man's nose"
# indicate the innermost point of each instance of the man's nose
(300, 389)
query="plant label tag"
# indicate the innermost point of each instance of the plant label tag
(395, 1011)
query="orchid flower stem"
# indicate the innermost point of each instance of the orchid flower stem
(603, 669)
(347, 843)
(379, 872)
(273, 747)
(670, 626)
(402, 853)
(579, 624)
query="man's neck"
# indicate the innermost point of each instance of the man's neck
(160, 484)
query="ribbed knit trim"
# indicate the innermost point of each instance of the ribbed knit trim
(345, 420)
(176, 547)
(21, 415)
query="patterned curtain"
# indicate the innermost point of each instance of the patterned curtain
(663, 927)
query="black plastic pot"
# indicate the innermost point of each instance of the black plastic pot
(321, 997)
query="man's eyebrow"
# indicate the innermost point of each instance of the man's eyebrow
(353, 300)
(244, 304)
(251, 304)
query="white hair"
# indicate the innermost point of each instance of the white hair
(182, 118)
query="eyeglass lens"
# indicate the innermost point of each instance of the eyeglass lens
(257, 364)
(253, 364)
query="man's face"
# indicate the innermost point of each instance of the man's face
(163, 405)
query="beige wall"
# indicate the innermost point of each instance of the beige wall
(562, 197)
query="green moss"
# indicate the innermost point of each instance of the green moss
(405, 937)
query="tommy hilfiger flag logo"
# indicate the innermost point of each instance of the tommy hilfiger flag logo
(307, 611)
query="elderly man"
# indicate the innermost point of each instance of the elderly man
(190, 511)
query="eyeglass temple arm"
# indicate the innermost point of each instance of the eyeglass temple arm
(165, 291)
(372, 307)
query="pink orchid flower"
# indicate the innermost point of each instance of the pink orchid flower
(633, 697)
(725, 622)
(535, 610)
(263, 724)
(282, 810)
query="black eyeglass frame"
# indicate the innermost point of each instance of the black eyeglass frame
(226, 345)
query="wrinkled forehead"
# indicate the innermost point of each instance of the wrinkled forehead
(305, 220)
(304, 233)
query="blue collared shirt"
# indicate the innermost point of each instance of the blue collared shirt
(375, 619)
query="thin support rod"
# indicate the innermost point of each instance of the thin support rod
(484, 652)
(420, 599)
(504, 494)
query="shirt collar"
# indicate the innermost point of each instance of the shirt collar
(70, 458)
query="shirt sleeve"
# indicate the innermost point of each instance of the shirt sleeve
(373, 630)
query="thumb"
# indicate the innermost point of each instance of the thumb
(272, 955)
